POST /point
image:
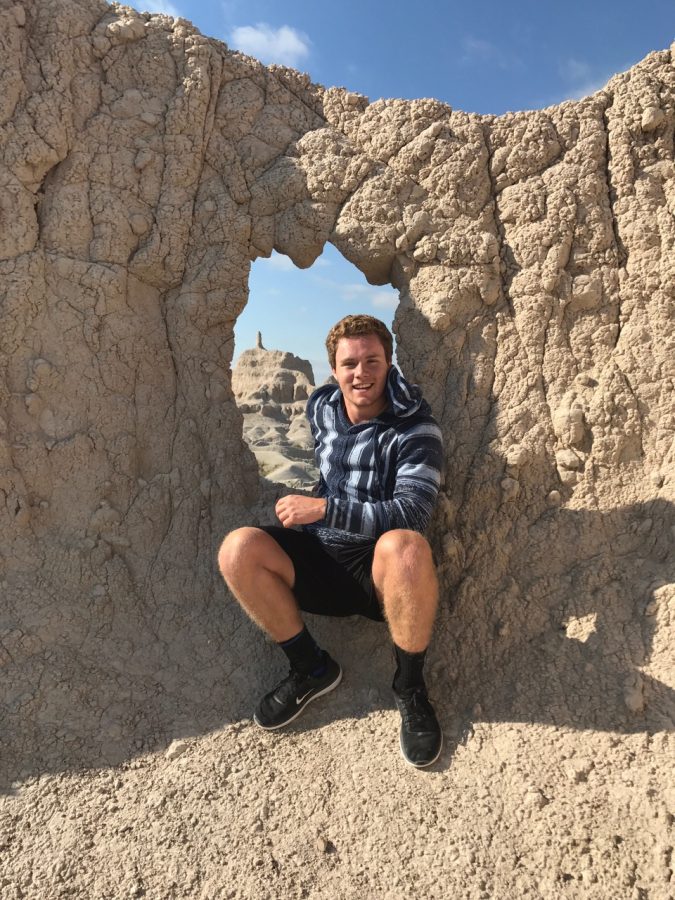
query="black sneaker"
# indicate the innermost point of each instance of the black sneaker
(291, 696)
(421, 735)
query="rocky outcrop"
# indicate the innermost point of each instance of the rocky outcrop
(144, 167)
(273, 376)
(271, 388)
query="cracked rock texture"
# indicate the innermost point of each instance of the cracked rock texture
(143, 168)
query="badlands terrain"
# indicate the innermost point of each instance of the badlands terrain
(144, 167)
(271, 388)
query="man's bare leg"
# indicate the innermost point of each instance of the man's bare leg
(261, 576)
(405, 581)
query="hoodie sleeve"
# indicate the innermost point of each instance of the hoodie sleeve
(418, 478)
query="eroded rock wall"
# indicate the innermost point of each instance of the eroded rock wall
(144, 167)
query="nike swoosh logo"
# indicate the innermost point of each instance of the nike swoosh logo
(298, 700)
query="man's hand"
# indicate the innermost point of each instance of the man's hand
(298, 510)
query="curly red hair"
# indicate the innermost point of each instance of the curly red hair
(358, 326)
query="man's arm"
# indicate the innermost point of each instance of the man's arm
(418, 478)
(296, 509)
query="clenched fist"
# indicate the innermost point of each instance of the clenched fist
(298, 510)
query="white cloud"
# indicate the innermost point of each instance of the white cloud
(585, 90)
(351, 291)
(385, 300)
(380, 299)
(476, 50)
(279, 262)
(283, 45)
(160, 6)
(574, 69)
(229, 8)
(582, 79)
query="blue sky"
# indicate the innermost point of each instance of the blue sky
(486, 57)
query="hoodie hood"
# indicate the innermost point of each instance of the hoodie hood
(405, 399)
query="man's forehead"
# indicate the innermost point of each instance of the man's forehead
(362, 344)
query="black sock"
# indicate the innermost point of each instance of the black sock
(304, 654)
(409, 671)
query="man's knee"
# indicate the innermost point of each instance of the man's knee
(240, 548)
(246, 552)
(403, 548)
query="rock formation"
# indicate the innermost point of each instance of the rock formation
(144, 166)
(271, 388)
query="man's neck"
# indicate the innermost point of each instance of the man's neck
(358, 417)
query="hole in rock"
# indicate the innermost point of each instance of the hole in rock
(280, 354)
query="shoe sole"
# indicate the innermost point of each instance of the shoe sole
(423, 765)
(301, 709)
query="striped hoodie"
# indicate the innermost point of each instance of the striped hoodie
(381, 474)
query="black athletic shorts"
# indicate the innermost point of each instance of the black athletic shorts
(339, 585)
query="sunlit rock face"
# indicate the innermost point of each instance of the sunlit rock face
(271, 388)
(144, 168)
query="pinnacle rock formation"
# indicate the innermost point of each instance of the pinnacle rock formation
(271, 388)
(144, 167)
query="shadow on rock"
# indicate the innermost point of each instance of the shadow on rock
(571, 631)
(574, 631)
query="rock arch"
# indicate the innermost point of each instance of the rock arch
(145, 166)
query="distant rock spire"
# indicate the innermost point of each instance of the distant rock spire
(258, 342)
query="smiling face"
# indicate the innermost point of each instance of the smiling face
(361, 370)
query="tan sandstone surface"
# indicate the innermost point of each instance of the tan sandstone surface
(271, 388)
(143, 168)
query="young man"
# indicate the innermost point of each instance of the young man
(361, 549)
